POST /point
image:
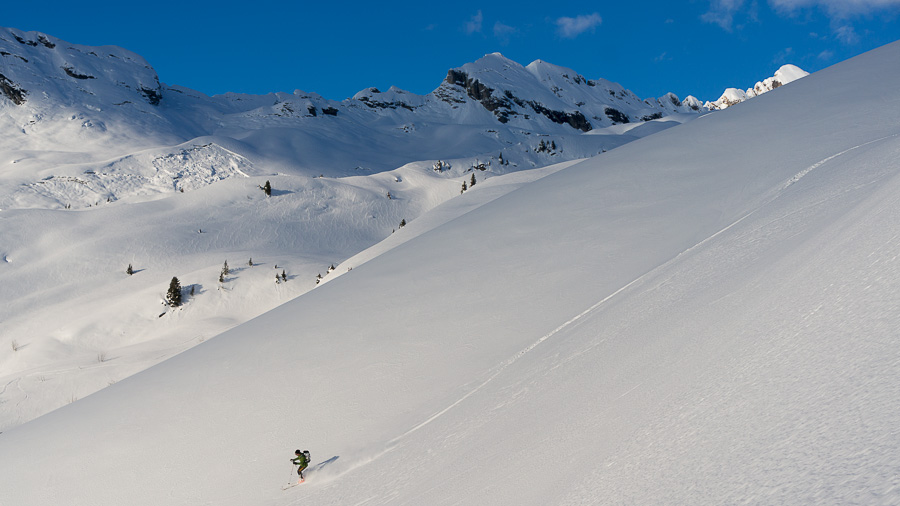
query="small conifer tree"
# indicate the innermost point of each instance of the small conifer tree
(403, 223)
(472, 182)
(129, 270)
(464, 187)
(173, 296)
(268, 189)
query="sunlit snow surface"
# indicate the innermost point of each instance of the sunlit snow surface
(102, 166)
(704, 316)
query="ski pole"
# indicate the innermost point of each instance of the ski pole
(291, 479)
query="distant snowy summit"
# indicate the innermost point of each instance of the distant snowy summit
(543, 92)
(732, 96)
(107, 105)
(35, 66)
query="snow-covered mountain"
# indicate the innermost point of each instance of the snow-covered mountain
(784, 75)
(660, 324)
(103, 167)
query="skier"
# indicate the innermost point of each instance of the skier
(302, 460)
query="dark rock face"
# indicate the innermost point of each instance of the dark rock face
(4, 53)
(77, 75)
(375, 104)
(616, 115)
(331, 111)
(11, 91)
(152, 96)
(476, 90)
(46, 42)
(573, 119)
(650, 117)
(503, 107)
(456, 77)
(20, 40)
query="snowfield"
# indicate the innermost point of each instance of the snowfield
(104, 167)
(706, 315)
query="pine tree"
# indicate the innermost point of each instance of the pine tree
(173, 296)
(472, 183)
(464, 187)
(268, 189)
(283, 275)
(129, 270)
(403, 223)
(250, 262)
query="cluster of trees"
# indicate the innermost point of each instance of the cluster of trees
(319, 276)
(471, 184)
(545, 147)
(175, 293)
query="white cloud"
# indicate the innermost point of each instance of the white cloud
(474, 24)
(846, 34)
(826, 55)
(836, 8)
(570, 28)
(783, 56)
(504, 32)
(840, 12)
(721, 12)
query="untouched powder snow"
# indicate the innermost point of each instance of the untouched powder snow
(704, 316)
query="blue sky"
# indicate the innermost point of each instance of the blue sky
(697, 47)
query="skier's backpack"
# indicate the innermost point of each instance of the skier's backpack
(306, 454)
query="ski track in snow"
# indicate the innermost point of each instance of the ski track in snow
(512, 360)
(818, 164)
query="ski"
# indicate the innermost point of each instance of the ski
(292, 485)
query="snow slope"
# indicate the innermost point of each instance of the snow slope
(102, 166)
(658, 324)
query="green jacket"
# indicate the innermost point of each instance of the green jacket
(300, 460)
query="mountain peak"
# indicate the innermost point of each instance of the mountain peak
(784, 75)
